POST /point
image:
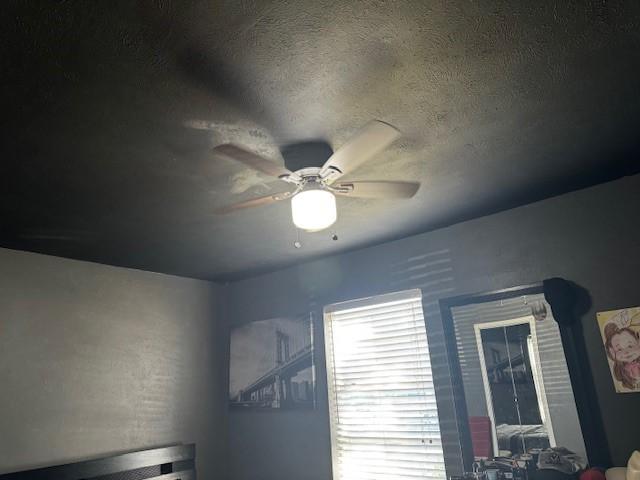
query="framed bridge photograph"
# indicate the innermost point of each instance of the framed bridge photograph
(272, 364)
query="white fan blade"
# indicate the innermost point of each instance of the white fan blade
(252, 160)
(379, 189)
(372, 139)
(254, 202)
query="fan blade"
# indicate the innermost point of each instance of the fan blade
(380, 189)
(372, 139)
(252, 160)
(254, 202)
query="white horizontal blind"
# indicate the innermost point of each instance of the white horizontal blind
(382, 405)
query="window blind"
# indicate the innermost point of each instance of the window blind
(382, 405)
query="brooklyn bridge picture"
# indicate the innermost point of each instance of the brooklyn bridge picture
(271, 365)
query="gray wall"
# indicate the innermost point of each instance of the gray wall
(591, 237)
(97, 359)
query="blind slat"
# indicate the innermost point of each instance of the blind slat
(369, 380)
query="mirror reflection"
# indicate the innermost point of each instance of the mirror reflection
(513, 383)
(514, 374)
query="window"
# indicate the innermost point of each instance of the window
(382, 404)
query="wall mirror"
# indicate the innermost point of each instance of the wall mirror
(511, 382)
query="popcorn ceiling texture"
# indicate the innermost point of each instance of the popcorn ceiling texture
(110, 110)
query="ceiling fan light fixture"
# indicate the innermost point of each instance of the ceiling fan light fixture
(314, 209)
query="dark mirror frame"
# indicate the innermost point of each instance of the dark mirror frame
(568, 302)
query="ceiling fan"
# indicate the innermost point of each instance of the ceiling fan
(313, 203)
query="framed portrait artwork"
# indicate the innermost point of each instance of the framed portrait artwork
(620, 330)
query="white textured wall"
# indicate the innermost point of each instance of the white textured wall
(97, 359)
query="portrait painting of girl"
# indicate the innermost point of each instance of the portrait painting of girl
(620, 331)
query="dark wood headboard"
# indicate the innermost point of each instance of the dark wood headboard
(167, 463)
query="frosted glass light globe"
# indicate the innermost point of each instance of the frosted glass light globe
(313, 210)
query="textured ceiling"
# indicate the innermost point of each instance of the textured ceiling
(110, 111)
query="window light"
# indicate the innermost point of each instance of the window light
(382, 403)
